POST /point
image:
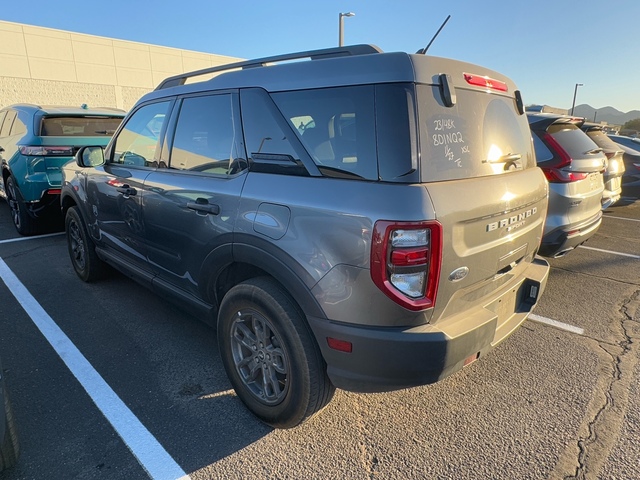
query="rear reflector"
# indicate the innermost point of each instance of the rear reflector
(484, 81)
(54, 191)
(340, 345)
(471, 359)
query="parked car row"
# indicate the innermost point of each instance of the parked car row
(631, 148)
(342, 222)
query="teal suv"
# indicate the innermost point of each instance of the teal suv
(35, 142)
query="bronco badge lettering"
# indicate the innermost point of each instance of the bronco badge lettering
(512, 221)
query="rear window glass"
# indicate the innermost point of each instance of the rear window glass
(575, 142)
(79, 126)
(604, 142)
(482, 134)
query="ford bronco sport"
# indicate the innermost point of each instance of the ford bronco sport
(362, 220)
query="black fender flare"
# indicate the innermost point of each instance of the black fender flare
(269, 258)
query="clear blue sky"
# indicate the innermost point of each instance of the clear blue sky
(546, 46)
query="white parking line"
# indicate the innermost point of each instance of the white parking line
(555, 323)
(149, 453)
(610, 251)
(22, 239)
(621, 218)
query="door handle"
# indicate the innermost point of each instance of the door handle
(203, 205)
(127, 191)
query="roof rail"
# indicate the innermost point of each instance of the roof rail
(180, 79)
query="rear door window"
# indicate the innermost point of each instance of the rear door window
(482, 134)
(206, 135)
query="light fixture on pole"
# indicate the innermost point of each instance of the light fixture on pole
(341, 26)
(575, 92)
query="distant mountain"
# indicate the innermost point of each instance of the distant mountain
(605, 114)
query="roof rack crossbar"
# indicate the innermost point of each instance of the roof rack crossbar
(180, 79)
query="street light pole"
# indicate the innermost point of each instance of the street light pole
(341, 26)
(575, 92)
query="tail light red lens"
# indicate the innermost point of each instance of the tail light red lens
(46, 150)
(552, 170)
(405, 262)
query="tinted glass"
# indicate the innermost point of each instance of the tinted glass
(2, 117)
(263, 133)
(335, 125)
(475, 137)
(5, 131)
(205, 136)
(543, 154)
(576, 143)
(396, 132)
(79, 126)
(604, 142)
(19, 127)
(137, 142)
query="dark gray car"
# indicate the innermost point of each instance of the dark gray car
(361, 220)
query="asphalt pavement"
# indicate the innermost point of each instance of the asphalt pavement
(559, 399)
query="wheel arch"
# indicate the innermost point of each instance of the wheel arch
(230, 265)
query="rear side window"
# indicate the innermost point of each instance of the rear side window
(576, 143)
(543, 154)
(335, 125)
(206, 135)
(482, 134)
(87, 126)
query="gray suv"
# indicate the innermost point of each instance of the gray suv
(362, 220)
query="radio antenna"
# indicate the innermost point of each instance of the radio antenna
(424, 50)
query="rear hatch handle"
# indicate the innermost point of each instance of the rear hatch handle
(508, 159)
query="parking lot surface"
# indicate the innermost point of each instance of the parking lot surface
(110, 381)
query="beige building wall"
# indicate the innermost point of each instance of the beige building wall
(54, 67)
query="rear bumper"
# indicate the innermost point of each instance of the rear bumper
(564, 239)
(384, 359)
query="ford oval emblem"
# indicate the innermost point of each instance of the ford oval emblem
(458, 274)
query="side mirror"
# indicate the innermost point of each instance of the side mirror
(89, 156)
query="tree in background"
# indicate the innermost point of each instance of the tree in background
(632, 125)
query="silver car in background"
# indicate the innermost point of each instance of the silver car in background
(615, 163)
(574, 167)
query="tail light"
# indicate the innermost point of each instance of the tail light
(405, 262)
(484, 81)
(552, 170)
(46, 150)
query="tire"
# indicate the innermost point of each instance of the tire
(25, 224)
(82, 250)
(270, 354)
(9, 448)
